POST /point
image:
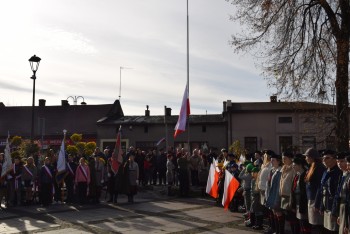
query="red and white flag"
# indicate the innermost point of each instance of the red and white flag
(213, 179)
(230, 187)
(117, 156)
(184, 113)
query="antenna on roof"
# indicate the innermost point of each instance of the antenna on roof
(120, 80)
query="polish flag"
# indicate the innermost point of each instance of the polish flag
(230, 187)
(213, 179)
(184, 113)
(117, 157)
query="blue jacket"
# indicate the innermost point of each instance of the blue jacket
(314, 184)
(326, 193)
(273, 200)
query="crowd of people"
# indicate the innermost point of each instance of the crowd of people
(37, 179)
(308, 190)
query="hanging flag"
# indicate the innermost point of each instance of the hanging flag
(213, 179)
(160, 141)
(117, 156)
(61, 162)
(6, 166)
(184, 113)
(230, 187)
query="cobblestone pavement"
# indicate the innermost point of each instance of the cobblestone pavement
(152, 212)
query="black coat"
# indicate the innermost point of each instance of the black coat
(300, 198)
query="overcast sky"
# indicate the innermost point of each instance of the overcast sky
(83, 44)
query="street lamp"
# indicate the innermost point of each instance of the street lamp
(75, 100)
(34, 65)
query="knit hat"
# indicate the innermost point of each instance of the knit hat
(312, 153)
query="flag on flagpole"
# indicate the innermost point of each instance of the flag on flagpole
(6, 166)
(213, 179)
(61, 162)
(117, 156)
(184, 113)
(230, 187)
(160, 141)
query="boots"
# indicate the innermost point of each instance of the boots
(280, 224)
(272, 226)
(251, 221)
(259, 219)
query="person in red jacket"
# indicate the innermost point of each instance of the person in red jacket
(82, 180)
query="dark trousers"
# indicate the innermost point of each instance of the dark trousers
(162, 177)
(70, 189)
(82, 192)
(184, 182)
(46, 194)
(194, 177)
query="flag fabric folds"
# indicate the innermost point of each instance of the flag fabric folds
(184, 113)
(213, 179)
(61, 163)
(117, 156)
(6, 166)
(230, 187)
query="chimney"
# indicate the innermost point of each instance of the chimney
(167, 111)
(224, 106)
(273, 98)
(147, 112)
(42, 102)
(64, 103)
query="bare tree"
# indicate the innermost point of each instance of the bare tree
(304, 42)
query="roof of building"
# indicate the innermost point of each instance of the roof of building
(51, 119)
(277, 106)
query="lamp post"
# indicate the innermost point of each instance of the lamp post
(75, 100)
(34, 65)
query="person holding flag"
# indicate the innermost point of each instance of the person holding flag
(15, 182)
(113, 165)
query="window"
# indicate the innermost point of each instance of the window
(204, 128)
(309, 141)
(286, 143)
(251, 144)
(285, 119)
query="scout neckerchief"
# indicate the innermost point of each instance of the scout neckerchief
(84, 172)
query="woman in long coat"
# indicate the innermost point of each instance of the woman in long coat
(313, 182)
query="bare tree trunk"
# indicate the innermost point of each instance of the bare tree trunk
(342, 96)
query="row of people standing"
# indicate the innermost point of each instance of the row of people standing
(309, 190)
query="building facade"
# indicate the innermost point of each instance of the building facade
(280, 126)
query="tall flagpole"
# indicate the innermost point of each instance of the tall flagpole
(188, 80)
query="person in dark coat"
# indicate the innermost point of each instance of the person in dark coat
(93, 182)
(340, 202)
(298, 195)
(15, 182)
(326, 193)
(46, 182)
(69, 179)
(313, 182)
